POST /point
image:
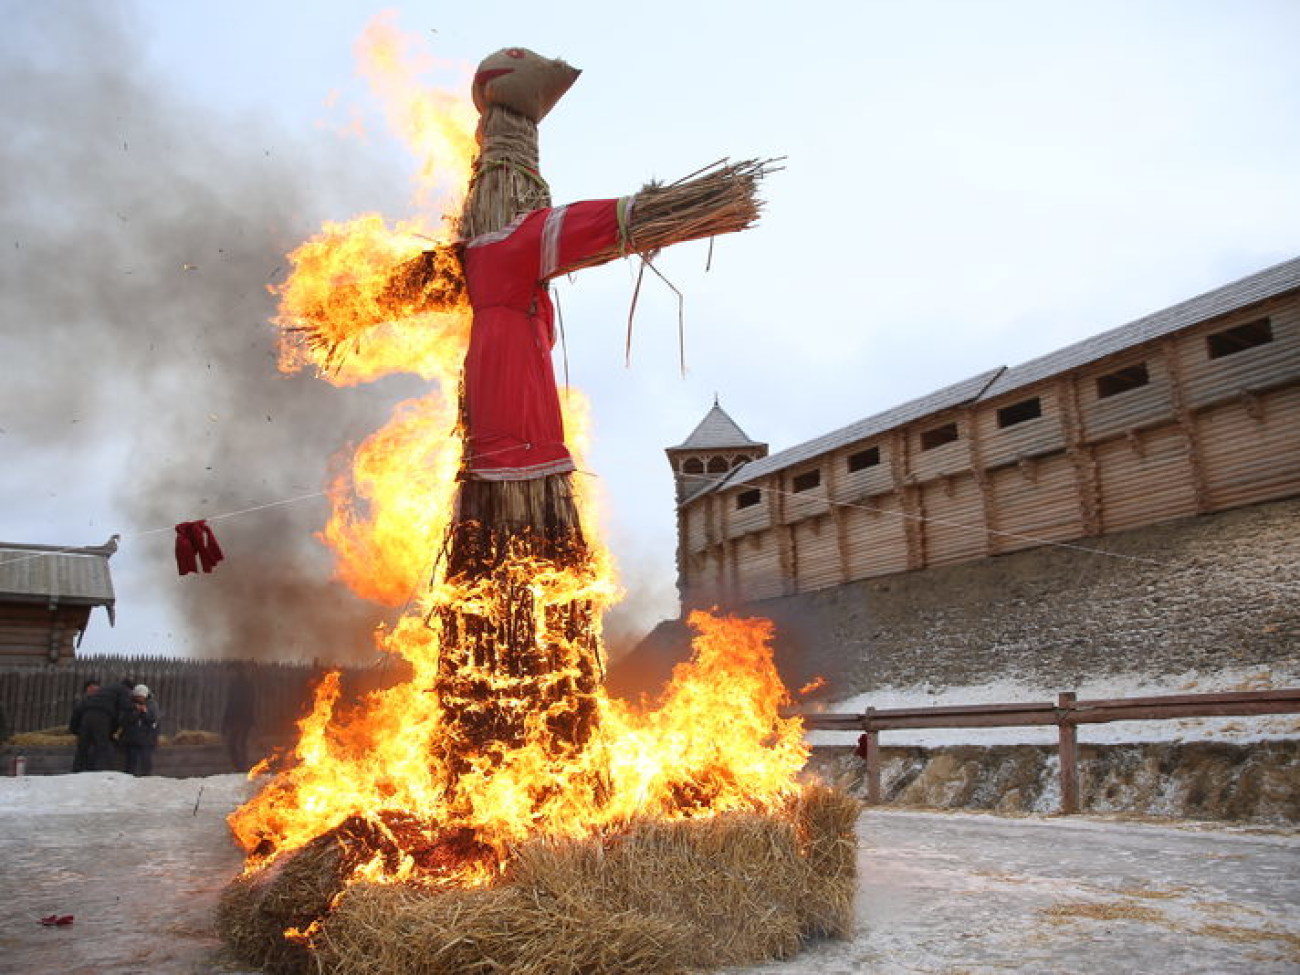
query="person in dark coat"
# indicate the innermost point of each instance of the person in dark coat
(99, 716)
(140, 731)
(81, 758)
(237, 719)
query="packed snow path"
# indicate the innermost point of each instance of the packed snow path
(139, 864)
(963, 893)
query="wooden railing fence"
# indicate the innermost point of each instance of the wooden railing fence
(1067, 713)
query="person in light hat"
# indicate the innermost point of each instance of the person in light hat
(140, 731)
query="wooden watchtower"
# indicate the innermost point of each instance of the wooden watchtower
(716, 447)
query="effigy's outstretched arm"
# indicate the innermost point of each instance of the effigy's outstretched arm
(331, 322)
(719, 199)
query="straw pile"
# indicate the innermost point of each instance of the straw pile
(661, 897)
(255, 911)
(44, 738)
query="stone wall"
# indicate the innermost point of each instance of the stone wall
(1199, 593)
(1252, 783)
(1202, 593)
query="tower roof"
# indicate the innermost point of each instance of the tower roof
(717, 431)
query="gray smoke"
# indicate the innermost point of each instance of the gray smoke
(140, 233)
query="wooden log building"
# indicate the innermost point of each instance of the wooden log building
(47, 593)
(1191, 410)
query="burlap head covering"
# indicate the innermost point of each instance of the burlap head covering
(524, 82)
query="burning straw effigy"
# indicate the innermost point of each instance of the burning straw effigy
(508, 709)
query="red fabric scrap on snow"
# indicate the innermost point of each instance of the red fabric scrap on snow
(196, 546)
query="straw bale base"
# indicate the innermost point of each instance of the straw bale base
(660, 897)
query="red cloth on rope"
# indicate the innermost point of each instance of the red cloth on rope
(514, 430)
(196, 546)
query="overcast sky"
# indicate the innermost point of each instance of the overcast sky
(966, 185)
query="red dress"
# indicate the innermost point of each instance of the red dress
(512, 408)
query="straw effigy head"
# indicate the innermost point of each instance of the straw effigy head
(522, 81)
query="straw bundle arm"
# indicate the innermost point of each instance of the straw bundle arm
(333, 322)
(720, 199)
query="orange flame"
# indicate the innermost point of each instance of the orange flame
(816, 684)
(714, 741)
(405, 474)
(437, 125)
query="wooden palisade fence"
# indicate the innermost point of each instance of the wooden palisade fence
(191, 694)
(1067, 713)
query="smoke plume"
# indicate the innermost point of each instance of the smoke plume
(140, 234)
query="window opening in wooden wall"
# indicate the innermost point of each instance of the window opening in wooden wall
(747, 499)
(718, 465)
(1122, 380)
(863, 459)
(807, 480)
(1029, 409)
(1239, 338)
(693, 466)
(938, 436)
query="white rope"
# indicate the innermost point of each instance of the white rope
(1019, 536)
(77, 550)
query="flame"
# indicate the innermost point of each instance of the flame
(388, 768)
(405, 475)
(340, 291)
(437, 125)
(714, 741)
(816, 684)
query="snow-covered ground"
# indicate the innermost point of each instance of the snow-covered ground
(139, 863)
(1004, 691)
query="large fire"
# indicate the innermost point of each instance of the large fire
(446, 809)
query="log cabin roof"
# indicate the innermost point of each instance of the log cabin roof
(1257, 287)
(49, 573)
(1269, 283)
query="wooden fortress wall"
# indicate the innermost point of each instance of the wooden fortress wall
(1191, 423)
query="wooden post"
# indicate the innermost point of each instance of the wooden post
(1069, 749)
(871, 754)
